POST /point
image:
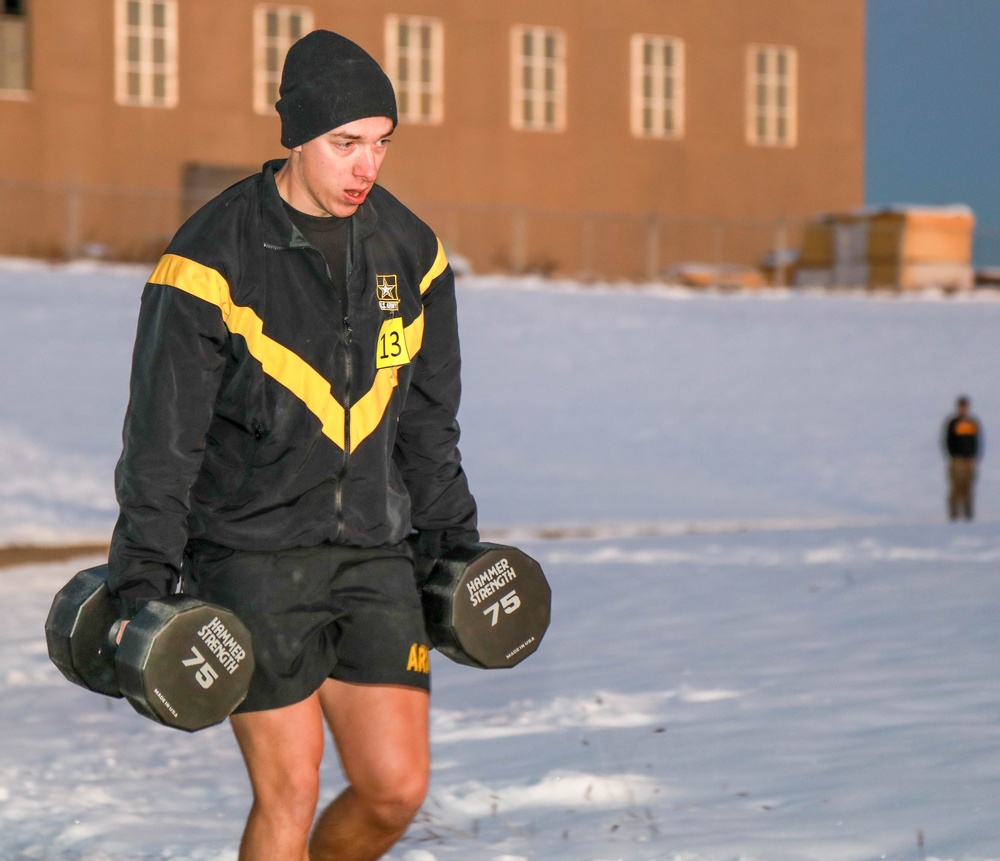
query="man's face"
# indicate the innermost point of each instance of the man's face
(332, 174)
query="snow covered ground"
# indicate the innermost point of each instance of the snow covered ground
(767, 642)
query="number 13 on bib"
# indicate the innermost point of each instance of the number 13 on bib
(392, 350)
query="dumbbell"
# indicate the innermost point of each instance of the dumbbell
(182, 662)
(485, 605)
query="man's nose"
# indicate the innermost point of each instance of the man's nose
(367, 165)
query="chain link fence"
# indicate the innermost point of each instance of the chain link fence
(65, 222)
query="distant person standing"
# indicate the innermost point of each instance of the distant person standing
(962, 443)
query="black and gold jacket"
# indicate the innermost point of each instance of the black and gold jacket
(270, 410)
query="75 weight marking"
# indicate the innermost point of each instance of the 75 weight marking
(510, 602)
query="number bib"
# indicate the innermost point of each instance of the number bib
(391, 350)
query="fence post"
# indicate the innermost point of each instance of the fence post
(588, 239)
(519, 241)
(653, 246)
(74, 206)
(780, 255)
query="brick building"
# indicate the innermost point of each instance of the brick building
(573, 136)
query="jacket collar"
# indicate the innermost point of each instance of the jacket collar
(279, 232)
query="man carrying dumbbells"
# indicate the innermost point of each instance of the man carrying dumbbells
(291, 424)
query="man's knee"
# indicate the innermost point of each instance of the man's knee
(395, 798)
(290, 798)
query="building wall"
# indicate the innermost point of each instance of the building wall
(582, 199)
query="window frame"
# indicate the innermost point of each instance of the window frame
(267, 80)
(526, 101)
(772, 96)
(148, 69)
(645, 105)
(420, 101)
(15, 31)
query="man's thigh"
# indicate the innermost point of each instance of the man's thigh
(281, 745)
(381, 732)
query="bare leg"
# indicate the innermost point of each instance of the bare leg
(282, 749)
(382, 735)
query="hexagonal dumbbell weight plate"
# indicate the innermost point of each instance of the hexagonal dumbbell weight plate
(185, 663)
(486, 605)
(181, 662)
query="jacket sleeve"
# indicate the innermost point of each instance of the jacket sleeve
(443, 509)
(177, 367)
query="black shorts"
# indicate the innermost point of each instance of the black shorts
(314, 613)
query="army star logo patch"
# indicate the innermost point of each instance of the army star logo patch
(387, 288)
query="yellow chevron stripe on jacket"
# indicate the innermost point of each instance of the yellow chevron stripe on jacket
(284, 365)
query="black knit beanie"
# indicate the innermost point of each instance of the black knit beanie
(328, 81)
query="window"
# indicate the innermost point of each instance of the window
(772, 110)
(657, 87)
(275, 30)
(538, 79)
(414, 50)
(13, 47)
(146, 53)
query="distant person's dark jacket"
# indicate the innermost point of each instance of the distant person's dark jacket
(962, 437)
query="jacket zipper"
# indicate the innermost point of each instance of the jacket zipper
(348, 379)
(342, 477)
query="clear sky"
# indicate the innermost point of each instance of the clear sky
(933, 108)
